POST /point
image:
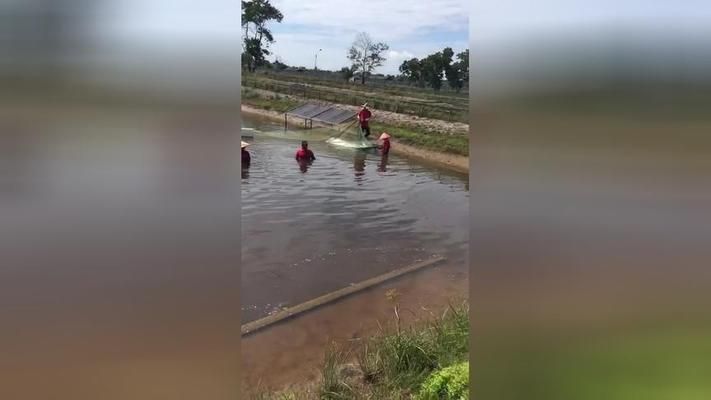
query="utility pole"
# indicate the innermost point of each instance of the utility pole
(316, 59)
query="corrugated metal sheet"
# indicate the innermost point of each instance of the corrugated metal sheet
(322, 113)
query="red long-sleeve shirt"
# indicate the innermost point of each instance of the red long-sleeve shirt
(305, 155)
(363, 116)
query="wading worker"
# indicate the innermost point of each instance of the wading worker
(246, 158)
(363, 117)
(385, 146)
(304, 154)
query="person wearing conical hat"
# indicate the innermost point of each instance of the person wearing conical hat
(246, 158)
(363, 117)
(385, 146)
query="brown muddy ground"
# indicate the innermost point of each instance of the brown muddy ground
(291, 354)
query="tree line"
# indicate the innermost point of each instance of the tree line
(433, 69)
(365, 54)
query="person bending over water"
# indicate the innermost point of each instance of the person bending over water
(304, 153)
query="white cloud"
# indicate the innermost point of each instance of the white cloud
(387, 20)
(400, 55)
(333, 24)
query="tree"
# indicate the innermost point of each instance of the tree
(452, 71)
(366, 55)
(347, 73)
(279, 65)
(257, 37)
(412, 70)
(432, 70)
(463, 58)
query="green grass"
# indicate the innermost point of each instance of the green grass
(391, 88)
(397, 363)
(442, 107)
(445, 143)
(274, 102)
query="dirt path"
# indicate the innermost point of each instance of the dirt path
(455, 162)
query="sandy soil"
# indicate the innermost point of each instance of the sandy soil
(455, 162)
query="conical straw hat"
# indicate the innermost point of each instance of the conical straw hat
(384, 135)
(244, 144)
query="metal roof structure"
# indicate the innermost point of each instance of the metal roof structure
(327, 114)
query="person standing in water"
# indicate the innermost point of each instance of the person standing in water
(385, 146)
(246, 158)
(304, 154)
(363, 117)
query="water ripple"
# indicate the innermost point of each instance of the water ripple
(340, 221)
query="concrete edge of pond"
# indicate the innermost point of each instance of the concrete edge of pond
(291, 312)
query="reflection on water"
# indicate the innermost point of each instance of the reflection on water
(304, 165)
(310, 229)
(383, 165)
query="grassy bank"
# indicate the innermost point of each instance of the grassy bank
(451, 144)
(456, 144)
(423, 103)
(426, 360)
(275, 102)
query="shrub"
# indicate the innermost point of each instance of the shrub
(451, 383)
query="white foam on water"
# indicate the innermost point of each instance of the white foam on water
(353, 145)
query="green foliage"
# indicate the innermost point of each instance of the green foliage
(347, 73)
(412, 71)
(451, 383)
(431, 69)
(463, 64)
(453, 144)
(403, 360)
(257, 37)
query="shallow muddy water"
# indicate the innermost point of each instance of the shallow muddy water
(351, 215)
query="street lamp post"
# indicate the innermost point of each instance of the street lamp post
(316, 59)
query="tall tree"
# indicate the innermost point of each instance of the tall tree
(257, 37)
(366, 55)
(412, 70)
(463, 62)
(452, 71)
(433, 68)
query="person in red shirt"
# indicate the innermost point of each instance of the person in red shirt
(304, 154)
(385, 147)
(363, 117)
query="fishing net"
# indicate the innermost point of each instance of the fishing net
(351, 137)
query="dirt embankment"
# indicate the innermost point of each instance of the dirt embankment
(392, 118)
(455, 162)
